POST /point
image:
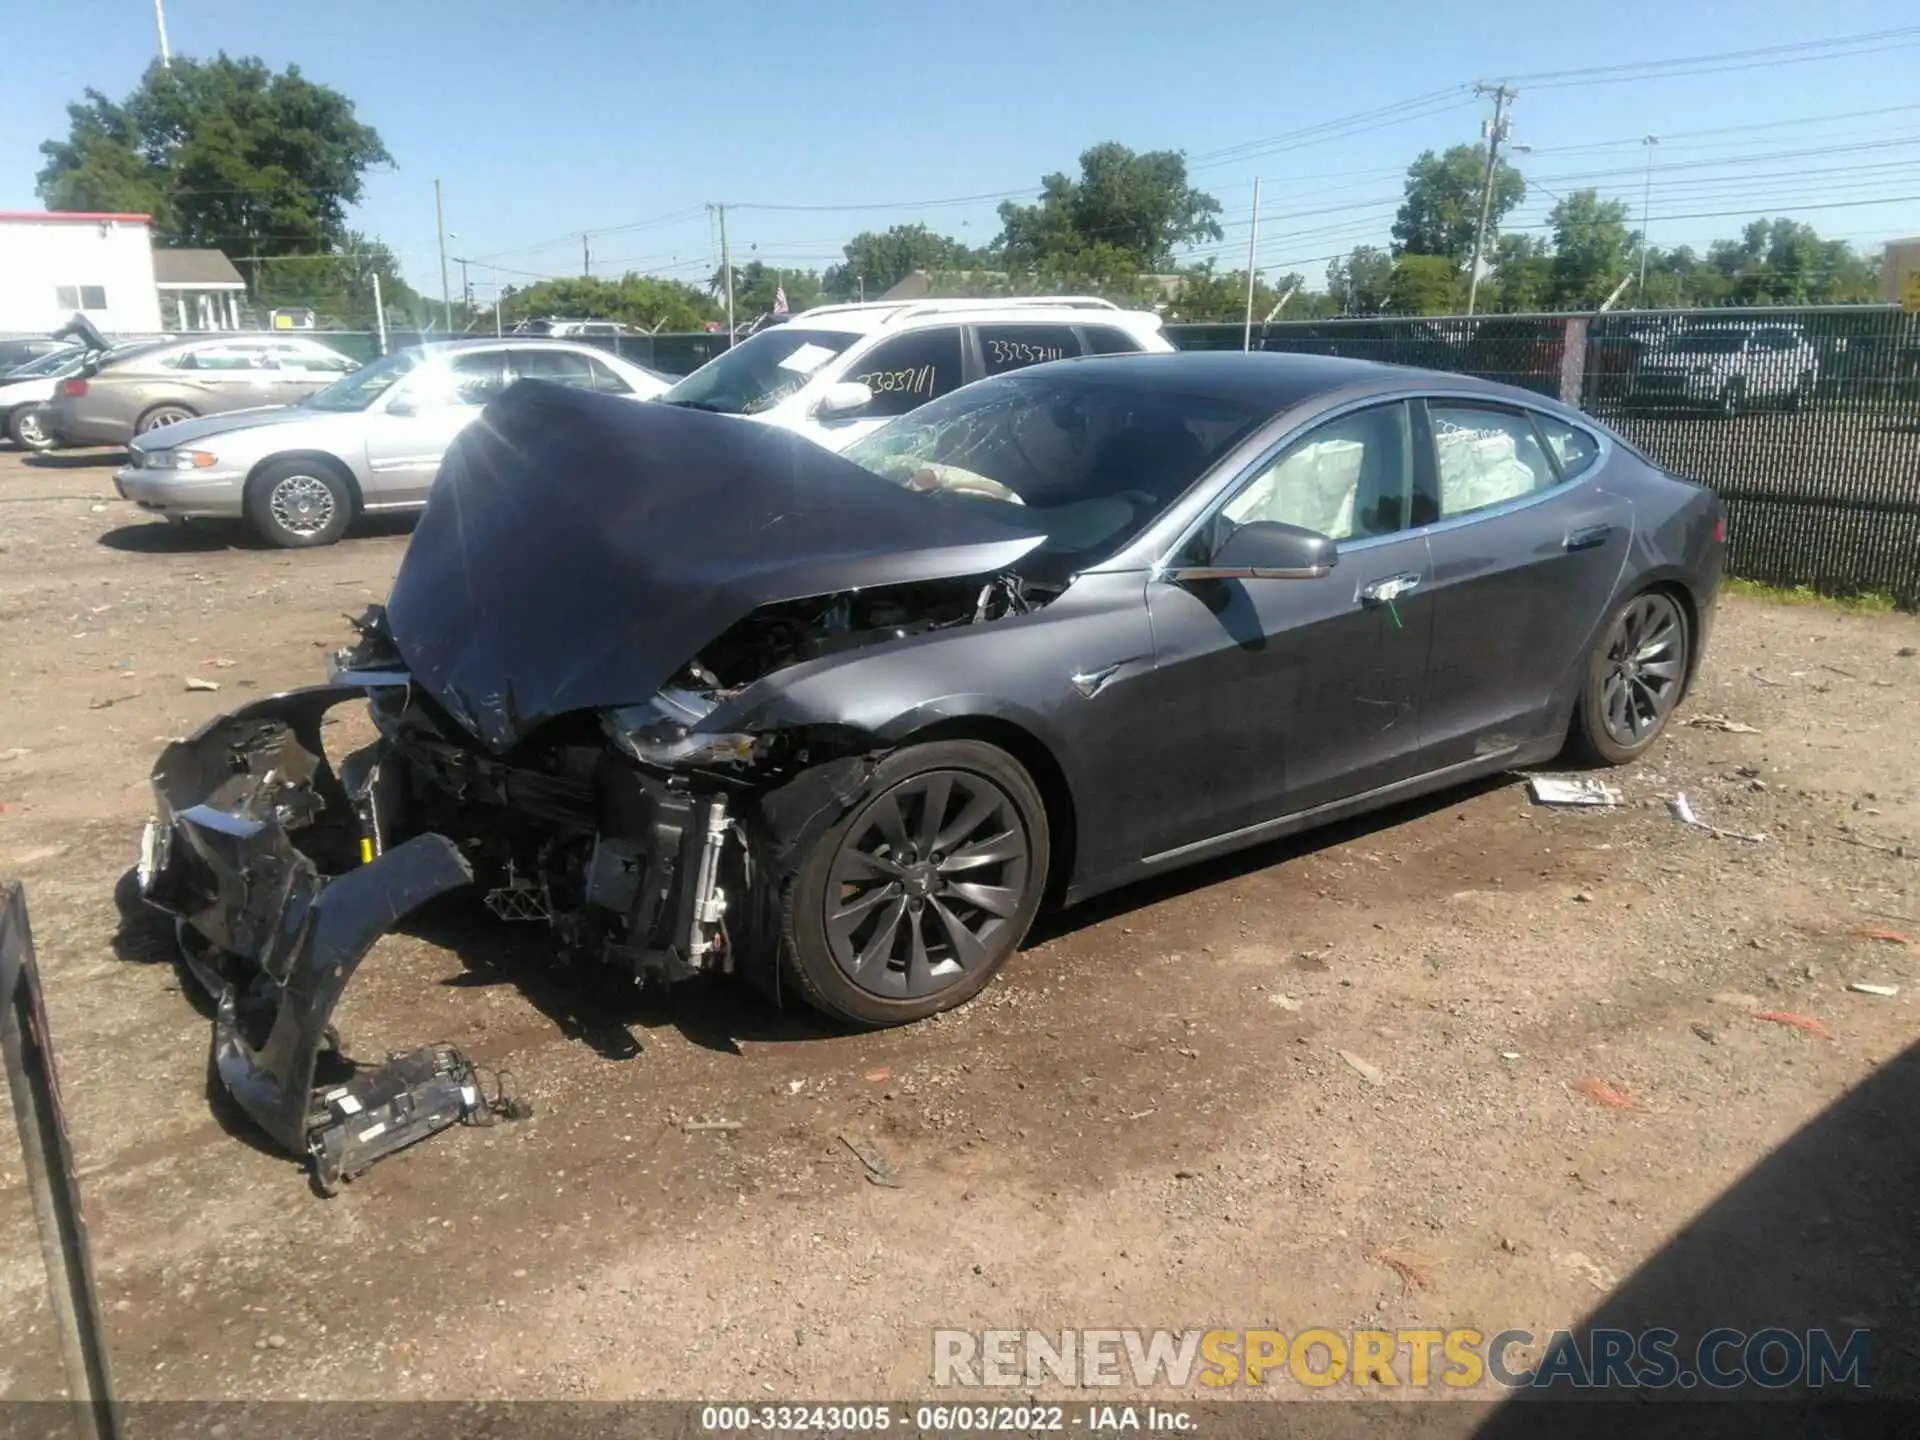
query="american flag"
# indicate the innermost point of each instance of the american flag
(779, 299)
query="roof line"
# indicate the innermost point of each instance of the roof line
(75, 216)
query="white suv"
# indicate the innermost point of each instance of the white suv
(837, 372)
(1731, 367)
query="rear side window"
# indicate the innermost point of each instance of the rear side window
(1109, 340)
(1574, 449)
(563, 367)
(1014, 347)
(607, 381)
(909, 370)
(1485, 457)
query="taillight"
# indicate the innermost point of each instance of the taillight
(1720, 531)
(73, 387)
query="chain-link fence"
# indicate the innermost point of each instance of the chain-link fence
(1806, 422)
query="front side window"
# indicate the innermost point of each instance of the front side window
(1348, 479)
(1485, 457)
(609, 381)
(759, 372)
(311, 358)
(909, 370)
(233, 356)
(1012, 347)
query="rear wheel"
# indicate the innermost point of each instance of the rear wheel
(1634, 679)
(913, 902)
(163, 414)
(298, 503)
(25, 430)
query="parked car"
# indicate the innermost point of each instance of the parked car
(557, 329)
(706, 698)
(26, 388)
(837, 372)
(15, 353)
(1729, 368)
(118, 397)
(371, 441)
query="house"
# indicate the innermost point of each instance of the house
(1900, 273)
(97, 264)
(199, 290)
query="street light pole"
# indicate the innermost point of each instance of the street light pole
(440, 224)
(1646, 199)
(1496, 132)
(160, 19)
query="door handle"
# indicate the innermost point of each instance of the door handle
(1589, 537)
(1385, 592)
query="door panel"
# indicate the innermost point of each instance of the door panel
(404, 450)
(1295, 692)
(1518, 584)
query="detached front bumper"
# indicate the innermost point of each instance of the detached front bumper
(275, 871)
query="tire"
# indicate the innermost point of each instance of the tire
(165, 413)
(1635, 677)
(1733, 398)
(25, 430)
(940, 946)
(297, 504)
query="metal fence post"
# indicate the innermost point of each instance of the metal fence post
(1573, 361)
(34, 1085)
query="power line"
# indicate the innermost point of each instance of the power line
(1756, 58)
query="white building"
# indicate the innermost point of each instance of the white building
(52, 265)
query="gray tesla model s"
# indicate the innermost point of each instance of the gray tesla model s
(703, 697)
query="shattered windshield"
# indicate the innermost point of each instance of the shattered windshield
(1092, 460)
(760, 371)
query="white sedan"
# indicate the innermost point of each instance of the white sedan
(369, 443)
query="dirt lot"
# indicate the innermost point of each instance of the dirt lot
(1148, 1122)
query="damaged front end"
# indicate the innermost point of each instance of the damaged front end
(272, 866)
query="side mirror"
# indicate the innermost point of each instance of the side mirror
(849, 397)
(401, 405)
(1266, 550)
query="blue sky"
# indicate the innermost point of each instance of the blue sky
(623, 117)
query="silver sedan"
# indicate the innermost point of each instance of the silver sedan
(369, 443)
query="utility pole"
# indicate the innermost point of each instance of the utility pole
(1646, 199)
(1253, 250)
(440, 223)
(726, 264)
(1496, 132)
(160, 19)
(586, 256)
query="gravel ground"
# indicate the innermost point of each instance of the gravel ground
(1151, 1120)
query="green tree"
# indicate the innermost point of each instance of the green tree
(222, 153)
(754, 285)
(877, 261)
(1126, 214)
(1358, 284)
(1441, 211)
(1425, 285)
(1785, 262)
(643, 301)
(1593, 249)
(1677, 278)
(1522, 274)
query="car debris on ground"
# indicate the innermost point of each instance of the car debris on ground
(879, 1170)
(1866, 987)
(1683, 812)
(1721, 723)
(1571, 790)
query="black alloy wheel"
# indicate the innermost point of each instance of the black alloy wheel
(914, 901)
(1634, 679)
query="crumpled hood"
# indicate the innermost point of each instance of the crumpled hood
(578, 549)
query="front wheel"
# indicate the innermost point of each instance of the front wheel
(26, 431)
(296, 504)
(1634, 679)
(914, 900)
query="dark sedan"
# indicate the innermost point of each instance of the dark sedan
(702, 697)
